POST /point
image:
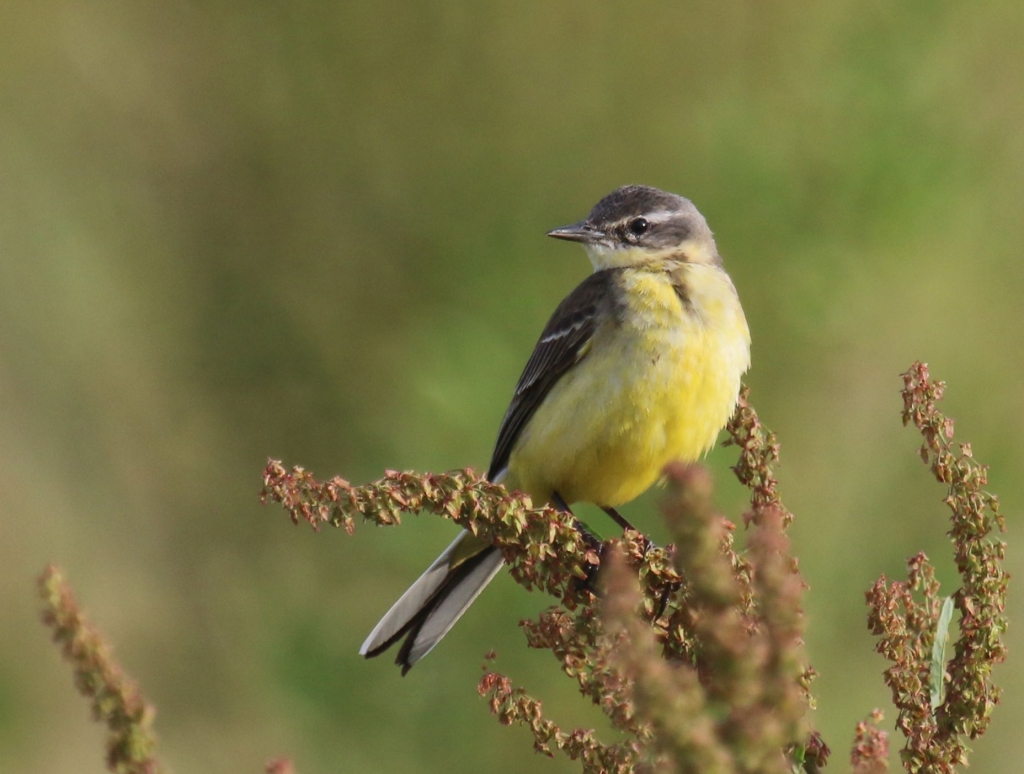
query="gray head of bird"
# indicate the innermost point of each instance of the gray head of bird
(637, 224)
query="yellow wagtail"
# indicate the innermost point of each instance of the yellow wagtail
(640, 365)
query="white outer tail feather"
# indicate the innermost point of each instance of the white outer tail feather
(442, 619)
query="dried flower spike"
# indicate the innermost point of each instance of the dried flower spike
(114, 697)
(911, 619)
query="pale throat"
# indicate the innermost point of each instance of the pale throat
(605, 257)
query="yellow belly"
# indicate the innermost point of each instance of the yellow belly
(656, 388)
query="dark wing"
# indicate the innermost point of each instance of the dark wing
(562, 344)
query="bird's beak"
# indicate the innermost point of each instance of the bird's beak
(578, 232)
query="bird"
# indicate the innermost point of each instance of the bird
(639, 366)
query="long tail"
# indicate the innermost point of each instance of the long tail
(430, 607)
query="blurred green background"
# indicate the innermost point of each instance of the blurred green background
(315, 231)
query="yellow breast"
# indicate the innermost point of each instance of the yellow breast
(657, 384)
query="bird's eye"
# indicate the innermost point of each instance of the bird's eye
(639, 226)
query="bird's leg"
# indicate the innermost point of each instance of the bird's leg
(668, 588)
(593, 542)
(648, 545)
(618, 518)
(666, 592)
(559, 502)
(624, 523)
(591, 539)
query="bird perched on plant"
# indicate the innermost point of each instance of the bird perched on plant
(639, 366)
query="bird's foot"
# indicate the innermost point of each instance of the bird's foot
(591, 570)
(594, 546)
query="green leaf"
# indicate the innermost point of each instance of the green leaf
(938, 669)
(796, 759)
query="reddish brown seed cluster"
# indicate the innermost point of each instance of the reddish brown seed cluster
(694, 652)
(114, 697)
(280, 766)
(870, 754)
(943, 704)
